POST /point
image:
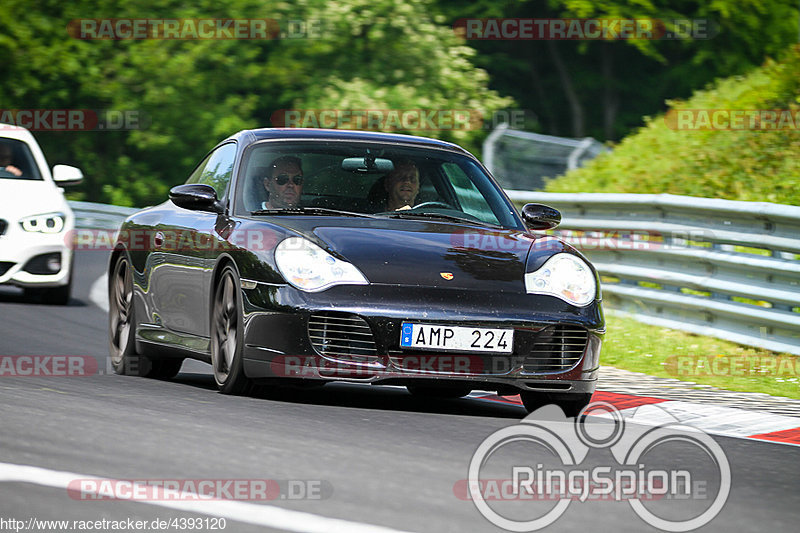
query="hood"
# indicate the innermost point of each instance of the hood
(432, 254)
(21, 198)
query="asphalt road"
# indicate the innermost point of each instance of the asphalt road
(377, 455)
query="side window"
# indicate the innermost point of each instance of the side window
(471, 200)
(17, 154)
(216, 169)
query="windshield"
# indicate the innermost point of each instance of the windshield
(16, 161)
(368, 178)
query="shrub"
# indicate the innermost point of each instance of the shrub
(735, 164)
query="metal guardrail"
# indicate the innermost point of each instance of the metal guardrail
(99, 216)
(523, 159)
(720, 268)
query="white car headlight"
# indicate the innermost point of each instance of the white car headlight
(565, 276)
(310, 268)
(47, 223)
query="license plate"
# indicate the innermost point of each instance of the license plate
(457, 338)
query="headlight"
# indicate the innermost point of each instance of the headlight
(565, 276)
(49, 223)
(310, 268)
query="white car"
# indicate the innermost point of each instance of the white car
(36, 224)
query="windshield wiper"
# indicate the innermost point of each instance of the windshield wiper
(309, 211)
(427, 214)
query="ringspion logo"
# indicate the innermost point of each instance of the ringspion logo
(674, 477)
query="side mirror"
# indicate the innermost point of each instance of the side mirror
(540, 216)
(197, 197)
(67, 175)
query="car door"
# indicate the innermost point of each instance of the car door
(181, 266)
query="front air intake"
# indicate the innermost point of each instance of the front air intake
(556, 349)
(342, 336)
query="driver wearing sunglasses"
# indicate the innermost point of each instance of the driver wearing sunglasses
(284, 183)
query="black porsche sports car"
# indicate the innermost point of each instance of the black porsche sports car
(327, 255)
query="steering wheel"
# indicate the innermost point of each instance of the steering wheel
(433, 204)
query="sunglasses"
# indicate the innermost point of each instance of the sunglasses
(283, 179)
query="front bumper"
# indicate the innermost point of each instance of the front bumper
(278, 343)
(19, 247)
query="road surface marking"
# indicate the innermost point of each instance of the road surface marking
(240, 511)
(98, 293)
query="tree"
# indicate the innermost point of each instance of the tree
(389, 54)
(603, 88)
(756, 162)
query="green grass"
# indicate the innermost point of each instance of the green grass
(653, 350)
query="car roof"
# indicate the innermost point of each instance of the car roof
(250, 136)
(10, 131)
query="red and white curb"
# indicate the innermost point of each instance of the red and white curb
(712, 419)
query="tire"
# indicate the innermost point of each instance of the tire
(227, 335)
(430, 391)
(571, 404)
(121, 324)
